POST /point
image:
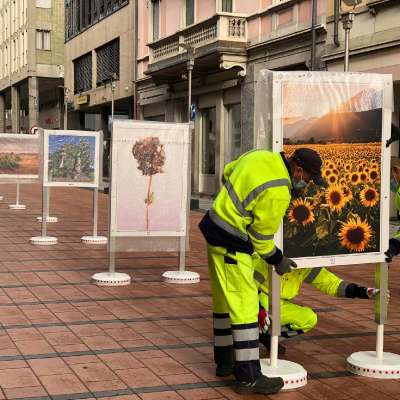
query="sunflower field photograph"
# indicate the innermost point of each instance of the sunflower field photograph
(344, 125)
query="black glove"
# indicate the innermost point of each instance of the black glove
(393, 250)
(285, 265)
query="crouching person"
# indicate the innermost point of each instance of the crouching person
(297, 319)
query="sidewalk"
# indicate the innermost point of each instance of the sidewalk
(63, 338)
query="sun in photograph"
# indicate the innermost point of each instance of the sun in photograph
(335, 198)
(301, 212)
(355, 234)
(369, 197)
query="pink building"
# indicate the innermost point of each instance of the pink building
(232, 40)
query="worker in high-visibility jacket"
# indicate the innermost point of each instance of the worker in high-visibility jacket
(297, 319)
(240, 226)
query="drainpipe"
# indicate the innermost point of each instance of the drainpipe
(336, 23)
(135, 53)
(314, 34)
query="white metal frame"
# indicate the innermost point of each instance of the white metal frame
(182, 129)
(96, 135)
(385, 80)
(22, 178)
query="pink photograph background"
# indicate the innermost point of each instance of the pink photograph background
(131, 189)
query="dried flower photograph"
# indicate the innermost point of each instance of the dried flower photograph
(150, 156)
(149, 178)
(343, 123)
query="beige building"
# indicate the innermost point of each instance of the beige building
(99, 62)
(31, 64)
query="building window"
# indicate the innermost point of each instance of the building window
(83, 73)
(227, 6)
(155, 18)
(189, 12)
(81, 14)
(208, 141)
(233, 144)
(107, 62)
(42, 40)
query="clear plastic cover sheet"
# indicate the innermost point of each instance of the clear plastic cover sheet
(149, 185)
(346, 118)
(19, 158)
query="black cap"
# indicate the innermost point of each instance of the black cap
(311, 162)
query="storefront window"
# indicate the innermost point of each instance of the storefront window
(233, 144)
(208, 141)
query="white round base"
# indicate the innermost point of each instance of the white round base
(111, 279)
(48, 219)
(17, 206)
(294, 375)
(94, 239)
(181, 277)
(44, 240)
(365, 363)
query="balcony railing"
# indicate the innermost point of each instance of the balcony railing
(220, 27)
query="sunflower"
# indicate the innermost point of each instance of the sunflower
(354, 178)
(326, 163)
(301, 212)
(369, 197)
(373, 174)
(347, 167)
(355, 234)
(363, 177)
(335, 171)
(331, 165)
(332, 179)
(326, 172)
(335, 198)
(347, 193)
(343, 182)
(361, 168)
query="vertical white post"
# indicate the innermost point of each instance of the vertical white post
(95, 210)
(17, 200)
(275, 311)
(45, 198)
(381, 282)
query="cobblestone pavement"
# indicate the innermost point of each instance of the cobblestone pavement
(62, 337)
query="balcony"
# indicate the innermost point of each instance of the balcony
(220, 40)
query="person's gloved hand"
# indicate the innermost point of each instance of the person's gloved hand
(263, 320)
(286, 265)
(393, 250)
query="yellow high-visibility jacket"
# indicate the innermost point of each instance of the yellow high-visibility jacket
(291, 282)
(253, 200)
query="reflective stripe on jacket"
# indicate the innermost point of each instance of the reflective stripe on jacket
(254, 199)
(322, 279)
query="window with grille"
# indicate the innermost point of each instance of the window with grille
(80, 14)
(227, 6)
(83, 73)
(107, 62)
(155, 17)
(42, 40)
(189, 12)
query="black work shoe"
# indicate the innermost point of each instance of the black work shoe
(261, 385)
(265, 340)
(224, 370)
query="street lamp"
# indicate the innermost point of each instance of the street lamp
(189, 65)
(66, 91)
(347, 21)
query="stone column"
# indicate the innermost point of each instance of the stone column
(2, 113)
(15, 109)
(33, 94)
